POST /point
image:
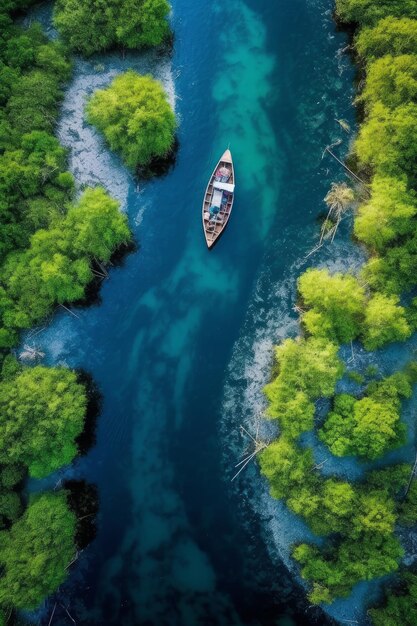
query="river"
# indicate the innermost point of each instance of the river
(181, 341)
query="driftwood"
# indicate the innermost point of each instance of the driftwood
(73, 560)
(413, 473)
(259, 446)
(355, 176)
(52, 615)
(343, 124)
(69, 311)
(68, 613)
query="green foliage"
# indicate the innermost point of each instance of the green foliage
(335, 572)
(400, 608)
(87, 27)
(371, 426)
(368, 12)
(308, 370)
(46, 256)
(56, 268)
(385, 321)
(396, 271)
(392, 479)
(408, 506)
(41, 414)
(387, 141)
(389, 36)
(336, 304)
(35, 552)
(326, 505)
(359, 519)
(388, 214)
(135, 117)
(391, 80)
(32, 162)
(340, 311)
(285, 466)
(311, 365)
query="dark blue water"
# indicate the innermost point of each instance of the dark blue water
(181, 341)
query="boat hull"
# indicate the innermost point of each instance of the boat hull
(215, 225)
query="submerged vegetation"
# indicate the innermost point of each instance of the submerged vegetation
(358, 521)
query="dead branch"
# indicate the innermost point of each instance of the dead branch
(52, 615)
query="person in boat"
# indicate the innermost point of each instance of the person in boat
(223, 174)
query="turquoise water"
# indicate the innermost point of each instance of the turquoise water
(181, 342)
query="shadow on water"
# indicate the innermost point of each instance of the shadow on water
(87, 439)
(160, 166)
(83, 501)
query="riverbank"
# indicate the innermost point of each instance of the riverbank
(378, 218)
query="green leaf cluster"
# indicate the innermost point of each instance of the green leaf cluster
(56, 267)
(42, 413)
(89, 26)
(33, 183)
(36, 551)
(307, 370)
(367, 12)
(339, 310)
(135, 117)
(400, 607)
(389, 36)
(370, 426)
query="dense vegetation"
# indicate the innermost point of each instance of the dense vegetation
(370, 426)
(340, 310)
(90, 26)
(135, 117)
(36, 551)
(358, 521)
(51, 246)
(58, 263)
(42, 413)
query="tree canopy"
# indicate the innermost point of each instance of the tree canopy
(370, 426)
(36, 551)
(388, 214)
(387, 141)
(367, 12)
(307, 370)
(389, 36)
(88, 27)
(56, 267)
(41, 414)
(391, 80)
(336, 304)
(135, 117)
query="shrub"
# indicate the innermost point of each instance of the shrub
(385, 322)
(135, 117)
(41, 414)
(389, 36)
(388, 214)
(391, 80)
(336, 304)
(367, 12)
(387, 141)
(34, 554)
(371, 426)
(87, 28)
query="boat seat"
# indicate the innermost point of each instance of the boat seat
(217, 197)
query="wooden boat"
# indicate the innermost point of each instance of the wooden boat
(218, 199)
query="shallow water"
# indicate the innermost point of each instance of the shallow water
(182, 341)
